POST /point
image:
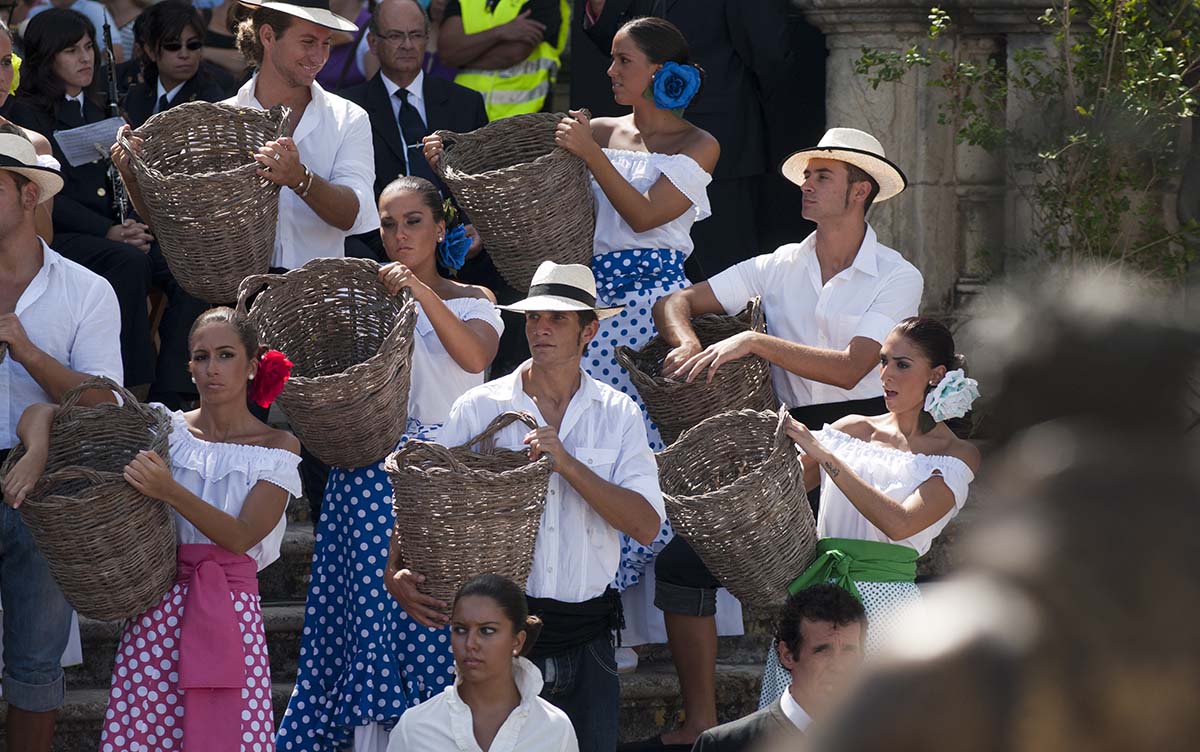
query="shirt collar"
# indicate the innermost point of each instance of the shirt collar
(416, 90)
(247, 98)
(170, 94)
(796, 714)
(511, 386)
(40, 281)
(78, 98)
(866, 260)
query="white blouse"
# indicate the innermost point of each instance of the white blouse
(223, 474)
(445, 723)
(642, 170)
(436, 379)
(894, 472)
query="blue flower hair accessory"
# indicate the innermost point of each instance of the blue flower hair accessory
(452, 251)
(675, 85)
(952, 397)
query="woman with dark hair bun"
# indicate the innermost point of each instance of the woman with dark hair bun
(173, 71)
(494, 703)
(889, 483)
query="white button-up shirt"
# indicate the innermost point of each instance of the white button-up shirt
(577, 552)
(796, 714)
(71, 314)
(334, 141)
(867, 299)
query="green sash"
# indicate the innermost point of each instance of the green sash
(843, 561)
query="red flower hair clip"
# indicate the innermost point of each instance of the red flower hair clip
(273, 371)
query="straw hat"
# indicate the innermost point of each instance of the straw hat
(17, 155)
(316, 11)
(562, 287)
(854, 147)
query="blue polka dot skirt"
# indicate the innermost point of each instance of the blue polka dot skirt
(634, 279)
(362, 659)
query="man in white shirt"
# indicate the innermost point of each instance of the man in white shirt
(326, 168)
(59, 324)
(829, 302)
(605, 482)
(820, 642)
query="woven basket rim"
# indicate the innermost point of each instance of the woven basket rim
(542, 464)
(556, 154)
(742, 480)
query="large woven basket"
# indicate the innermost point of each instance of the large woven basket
(734, 489)
(676, 405)
(111, 549)
(212, 215)
(462, 512)
(530, 200)
(351, 345)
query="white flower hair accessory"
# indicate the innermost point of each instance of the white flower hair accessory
(952, 397)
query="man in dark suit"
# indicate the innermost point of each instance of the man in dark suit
(820, 638)
(405, 105)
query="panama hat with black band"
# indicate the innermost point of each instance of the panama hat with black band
(855, 147)
(315, 11)
(17, 155)
(562, 287)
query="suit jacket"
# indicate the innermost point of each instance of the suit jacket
(742, 47)
(448, 106)
(749, 732)
(85, 204)
(139, 102)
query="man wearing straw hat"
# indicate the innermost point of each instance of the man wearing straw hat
(605, 482)
(59, 324)
(829, 301)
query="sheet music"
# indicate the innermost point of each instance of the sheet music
(90, 142)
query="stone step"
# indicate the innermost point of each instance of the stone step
(649, 704)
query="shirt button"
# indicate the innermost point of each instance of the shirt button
(591, 461)
(100, 192)
(550, 528)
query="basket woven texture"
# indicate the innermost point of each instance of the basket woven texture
(676, 405)
(111, 549)
(529, 199)
(351, 345)
(735, 490)
(212, 215)
(462, 512)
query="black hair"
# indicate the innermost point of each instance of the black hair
(246, 332)
(856, 174)
(442, 210)
(47, 34)
(587, 317)
(661, 42)
(164, 22)
(933, 339)
(373, 23)
(823, 602)
(249, 43)
(510, 598)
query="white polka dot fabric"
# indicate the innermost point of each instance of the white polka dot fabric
(145, 704)
(362, 659)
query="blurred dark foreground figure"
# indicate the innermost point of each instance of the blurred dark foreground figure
(1074, 627)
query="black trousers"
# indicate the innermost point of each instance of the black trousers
(130, 272)
(683, 583)
(172, 383)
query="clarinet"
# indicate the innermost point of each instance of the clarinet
(120, 199)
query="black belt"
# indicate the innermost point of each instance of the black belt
(566, 626)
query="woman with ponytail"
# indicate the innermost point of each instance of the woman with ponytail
(192, 672)
(889, 484)
(493, 704)
(363, 660)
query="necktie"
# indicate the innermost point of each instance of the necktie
(163, 104)
(411, 124)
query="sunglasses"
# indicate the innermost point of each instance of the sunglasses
(192, 45)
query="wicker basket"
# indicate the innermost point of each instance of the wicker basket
(735, 490)
(212, 215)
(351, 344)
(461, 512)
(529, 199)
(676, 405)
(111, 549)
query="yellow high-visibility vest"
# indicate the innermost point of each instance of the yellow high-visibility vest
(523, 88)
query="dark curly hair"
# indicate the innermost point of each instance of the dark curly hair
(824, 602)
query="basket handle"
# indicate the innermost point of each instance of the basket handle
(103, 383)
(624, 356)
(252, 285)
(486, 438)
(449, 139)
(758, 319)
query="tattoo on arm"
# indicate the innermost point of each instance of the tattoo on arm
(832, 469)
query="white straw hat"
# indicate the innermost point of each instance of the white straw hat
(316, 11)
(854, 147)
(562, 287)
(18, 155)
